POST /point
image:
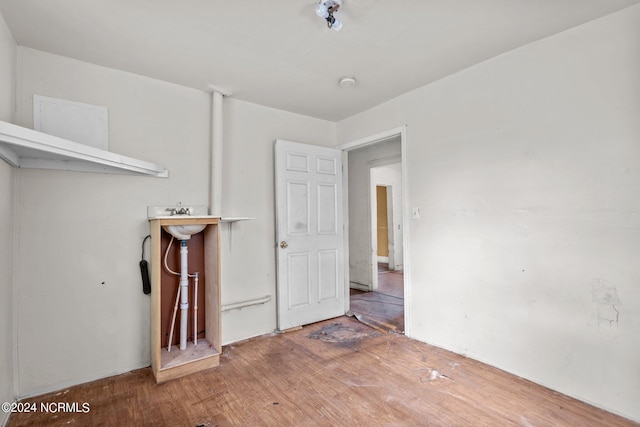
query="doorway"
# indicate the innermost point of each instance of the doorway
(375, 229)
(382, 219)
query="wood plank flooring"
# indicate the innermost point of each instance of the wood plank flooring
(333, 373)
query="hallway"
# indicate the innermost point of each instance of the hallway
(383, 308)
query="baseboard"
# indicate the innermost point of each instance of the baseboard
(359, 286)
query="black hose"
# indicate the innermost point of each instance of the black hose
(144, 271)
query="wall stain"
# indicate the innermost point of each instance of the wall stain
(605, 296)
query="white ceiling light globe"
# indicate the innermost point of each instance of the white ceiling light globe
(322, 11)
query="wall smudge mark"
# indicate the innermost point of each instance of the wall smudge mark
(605, 296)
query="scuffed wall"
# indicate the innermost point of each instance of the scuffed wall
(526, 169)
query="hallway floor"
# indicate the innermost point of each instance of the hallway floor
(383, 308)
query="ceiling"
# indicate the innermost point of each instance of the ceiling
(280, 54)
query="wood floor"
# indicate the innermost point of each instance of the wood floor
(338, 372)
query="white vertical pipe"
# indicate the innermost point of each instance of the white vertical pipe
(195, 308)
(216, 152)
(184, 293)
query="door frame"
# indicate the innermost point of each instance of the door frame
(385, 161)
(400, 131)
(374, 219)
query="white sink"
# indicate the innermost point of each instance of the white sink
(154, 212)
(184, 231)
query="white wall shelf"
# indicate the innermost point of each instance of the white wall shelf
(27, 148)
(230, 221)
(236, 219)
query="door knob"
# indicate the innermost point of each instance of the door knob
(283, 244)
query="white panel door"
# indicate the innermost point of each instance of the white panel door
(309, 231)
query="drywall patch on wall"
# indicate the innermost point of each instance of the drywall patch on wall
(606, 300)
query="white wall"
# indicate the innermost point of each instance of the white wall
(360, 250)
(82, 314)
(7, 103)
(7, 72)
(527, 170)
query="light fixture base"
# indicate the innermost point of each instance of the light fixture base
(347, 81)
(325, 10)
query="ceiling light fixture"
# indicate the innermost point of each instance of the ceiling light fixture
(347, 81)
(325, 9)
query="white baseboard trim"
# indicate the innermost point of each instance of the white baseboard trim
(359, 286)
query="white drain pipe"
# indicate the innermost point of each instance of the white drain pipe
(217, 135)
(184, 293)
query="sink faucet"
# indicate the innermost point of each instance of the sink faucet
(179, 210)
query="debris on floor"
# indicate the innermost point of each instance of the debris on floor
(381, 326)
